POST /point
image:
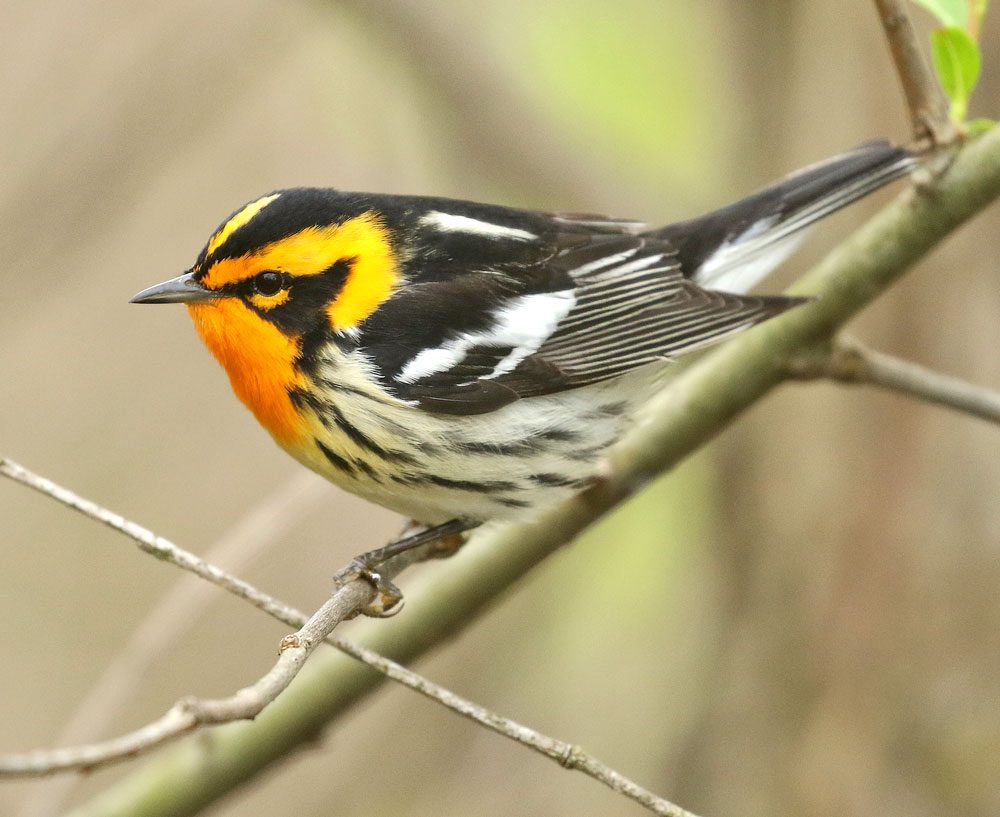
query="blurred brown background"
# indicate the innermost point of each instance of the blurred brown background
(816, 624)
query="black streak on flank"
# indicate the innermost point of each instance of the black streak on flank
(367, 469)
(518, 447)
(591, 452)
(301, 398)
(334, 419)
(362, 440)
(336, 460)
(459, 484)
(557, 481)
(559, 435)
(344, 388)
(467, 485)
(512, 503)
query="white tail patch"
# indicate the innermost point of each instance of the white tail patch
(739, 265)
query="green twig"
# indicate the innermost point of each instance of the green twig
(928, 107)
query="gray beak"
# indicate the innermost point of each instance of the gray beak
(182, 289)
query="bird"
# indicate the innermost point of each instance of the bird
(459, 362)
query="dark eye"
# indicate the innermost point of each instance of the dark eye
(268, 283)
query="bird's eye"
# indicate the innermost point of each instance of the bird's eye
(268, 283)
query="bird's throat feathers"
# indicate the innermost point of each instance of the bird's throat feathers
(260, 362)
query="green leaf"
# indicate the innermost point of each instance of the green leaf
(977, 127)
(957, 62)
(952, 13)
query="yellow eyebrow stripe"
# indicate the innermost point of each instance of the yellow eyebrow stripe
(237, 221)
(374, 272)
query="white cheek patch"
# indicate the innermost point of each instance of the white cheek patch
(450, 223)
(524, 324)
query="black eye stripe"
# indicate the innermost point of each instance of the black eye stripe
(303, 312)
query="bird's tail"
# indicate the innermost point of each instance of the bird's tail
(733, 248)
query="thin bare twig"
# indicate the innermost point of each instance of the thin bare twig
(565, 754)
(848, 361)
(147, 541)
(179, 609)
(928, 107)
(190, 713)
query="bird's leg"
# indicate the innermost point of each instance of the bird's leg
(388, 597)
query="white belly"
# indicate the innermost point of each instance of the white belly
(435, 467)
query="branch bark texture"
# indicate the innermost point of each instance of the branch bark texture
(697, 405)
(167, 622)
(848, 361)
(927, 104)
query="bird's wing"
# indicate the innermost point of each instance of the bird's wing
(597, 309)
(512, 304)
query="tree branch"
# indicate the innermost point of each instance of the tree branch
(928, 107)
(188, 714)
(168, 620)
(848, 361)
(701, 400)
(567, 755)
(147, 541)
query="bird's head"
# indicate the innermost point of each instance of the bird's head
(281, 276)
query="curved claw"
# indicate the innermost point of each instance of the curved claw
(382, 611)
(388, 599)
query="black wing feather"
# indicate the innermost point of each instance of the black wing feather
(632, 306)
(625, 320)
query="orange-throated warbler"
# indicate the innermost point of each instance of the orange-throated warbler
(458, 362)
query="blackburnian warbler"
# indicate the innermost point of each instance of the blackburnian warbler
(452, 360)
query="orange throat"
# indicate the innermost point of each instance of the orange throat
(259, 360)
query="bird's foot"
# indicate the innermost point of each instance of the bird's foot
(370, 566)
(388, 597)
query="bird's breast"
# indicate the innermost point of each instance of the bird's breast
(260, 362)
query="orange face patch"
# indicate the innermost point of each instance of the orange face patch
(364, 240)
(259, 360)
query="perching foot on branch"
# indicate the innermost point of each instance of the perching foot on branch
(388, 597)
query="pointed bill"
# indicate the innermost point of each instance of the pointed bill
(182, 289)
